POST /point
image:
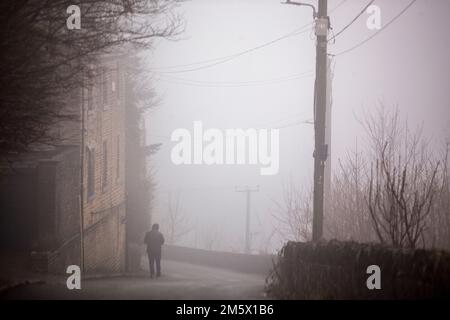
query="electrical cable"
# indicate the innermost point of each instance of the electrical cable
(353, 21)
(378, 32)
(197, 83)
(213, 62)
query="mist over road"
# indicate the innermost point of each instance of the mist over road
(178, 281)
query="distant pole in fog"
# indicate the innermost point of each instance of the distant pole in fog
(248, 192)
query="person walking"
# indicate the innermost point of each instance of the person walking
(154, 240)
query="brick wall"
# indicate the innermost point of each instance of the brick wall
(42, 201)
(338, 270)
(57, 261)
(17, 222)
(104, 210)
(104, 242)
(41, 208)
(50, 184)
(58, 210)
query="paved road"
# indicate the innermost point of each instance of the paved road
(179, 281)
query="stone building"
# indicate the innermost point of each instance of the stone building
(103, 166)
(65, 204)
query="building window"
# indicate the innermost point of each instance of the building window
(105, 166)
(104, 86)
(119, 82)
(90, 172)
(90, 98)
(118, 159)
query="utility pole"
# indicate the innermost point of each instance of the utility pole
(322, 25)
(81, 193)
(248, 192)
(327, 175)
(320, 105)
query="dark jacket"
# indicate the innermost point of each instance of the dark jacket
(154, 240)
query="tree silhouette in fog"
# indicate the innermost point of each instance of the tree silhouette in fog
(43, 61)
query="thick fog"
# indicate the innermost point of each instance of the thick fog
(271, 87)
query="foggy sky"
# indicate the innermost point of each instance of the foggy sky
(406, 65)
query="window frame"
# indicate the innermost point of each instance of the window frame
(90, 192)
(118, 160)
(105, 171)
(105, 90)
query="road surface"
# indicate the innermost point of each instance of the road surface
(178, 281)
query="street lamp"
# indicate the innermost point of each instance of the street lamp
(304, 5)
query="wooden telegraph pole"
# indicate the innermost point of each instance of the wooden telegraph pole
(322, 25)
(320, 105)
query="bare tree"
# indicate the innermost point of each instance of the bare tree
(267, 242)
(177, 224)
(438, 234)
(349, 218)
(396, 191)
(43, 62)
(402, 181)
(294, 214)
(140, 180)
(211, 237)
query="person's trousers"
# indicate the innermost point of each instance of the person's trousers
(154, 258)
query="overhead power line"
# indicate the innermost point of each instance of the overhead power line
(353, 21)
(236, 55)
(378, 32)
(338, 5)
(204, 64)
(272, 81)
